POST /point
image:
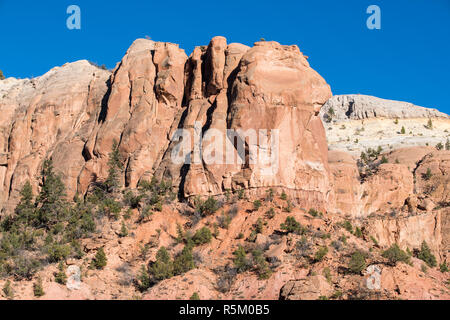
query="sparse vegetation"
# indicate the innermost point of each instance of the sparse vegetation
(291, 225)
(2, 77)
(443, 267)
(256, 205)
(427, 175)
(100, 260)
(60, 276)
(202, 236)
(195, 296)
(241, 262)
(357, 262)
(207, 207)
(38, 290)
(320, 254)
(426, 255)
(394, 254)
(7, 290)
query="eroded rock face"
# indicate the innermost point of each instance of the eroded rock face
(144, 104)
(311, 288)
(49, 116)
(74, 113)
(267, 87)
(359, 122)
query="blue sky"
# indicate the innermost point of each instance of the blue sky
(408, 59)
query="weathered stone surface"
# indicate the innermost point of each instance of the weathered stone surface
(361, 122)
(359, 107)
(310, 288)
(48, 116)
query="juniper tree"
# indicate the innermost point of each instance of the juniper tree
(51, 202)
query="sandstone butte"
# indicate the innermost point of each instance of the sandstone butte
(74, 113)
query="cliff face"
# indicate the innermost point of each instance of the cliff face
(50, 116)
(264, 102)
(74, 113)
(354, 123)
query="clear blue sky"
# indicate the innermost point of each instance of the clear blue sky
(408, 59)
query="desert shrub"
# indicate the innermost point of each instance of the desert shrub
(58, 252)
(260, 264)
(202, 236)
(195, 296)
(313, 212)
(303, 247)
(60, 276)
(269, 195)
(270, 213)
(394, 254)
(327, 274)
(375, 241)
(283, 196)
(357, 262)
(100, 260)
(403, 130)
(358, 232)
(24, 267)
(241, 262)
(7, 290)
(289, 206)
(439, 146)
(143, 281)
(184, 261)
(320, 254)
(427, 175)
(426, 255)
(226, 279)
(162, 268)
(443, 267)
(123, 230)
(256, 205)
(38, 290)
(447, 144)
(347, 226)
(291, 225)
(207, 207)
(429, 124)
(131, 200)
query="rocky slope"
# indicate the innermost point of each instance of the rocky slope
(74, 114)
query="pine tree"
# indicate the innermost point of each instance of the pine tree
(25, 209)
(2, 77)
(184, 261)
(37, 288)
(100, 259)
(143, 279)
(240, 261)
(61, 276)
(115, 168)
(51, 199)
(162, 268)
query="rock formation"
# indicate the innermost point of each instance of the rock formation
(336, 164)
